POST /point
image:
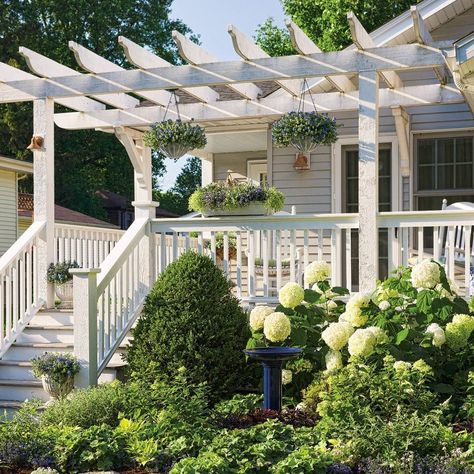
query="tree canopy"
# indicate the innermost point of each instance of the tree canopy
(85, 160)
(325, 22)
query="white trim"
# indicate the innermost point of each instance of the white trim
(18, 166)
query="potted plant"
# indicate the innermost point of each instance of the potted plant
(304, 131)
(175, 138)
(232, 240)
(57, 372)
(272, 267)
(58, 273)
(221, 199)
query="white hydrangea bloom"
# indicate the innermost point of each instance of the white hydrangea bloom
(337, 334)
(354, 316)
(286, 376)
(291, 295)
(317, 271)
(401, 366)
(358, 301)
(384, 305)
(379, 333)
(258, 315)
(333, 360)
(331, 305)
(425, 275)
(362, 343)
(277, 327)
(439, 337)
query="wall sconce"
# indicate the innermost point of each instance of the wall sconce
(36, 143)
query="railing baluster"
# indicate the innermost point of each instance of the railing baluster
(22, 294)
(278, 258)
(467, 259)
(348, 259)
(225, 239)
(239, 264)
(251, 266)
(265, 263)
(320, 244)
(213, 247)
(450, 261)
(421, 249)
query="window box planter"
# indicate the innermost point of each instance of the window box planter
(241, 199)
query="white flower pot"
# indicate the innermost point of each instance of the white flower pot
(253, 209)
(65, 293)
(57, 390)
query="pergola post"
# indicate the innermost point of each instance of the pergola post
(43, 182)
(145, 208)
(368, 179)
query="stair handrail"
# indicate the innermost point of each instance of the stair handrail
(19, 299)
(107, 301)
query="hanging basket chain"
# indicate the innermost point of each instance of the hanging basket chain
(174, 138)
(302, 130)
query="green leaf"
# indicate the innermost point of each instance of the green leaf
(299, 336)
(401, 336)
(253, 343)
(339, 290)
(311, 296)
(424, 300)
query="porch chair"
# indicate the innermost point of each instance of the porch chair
(285, 246)
(457, 244)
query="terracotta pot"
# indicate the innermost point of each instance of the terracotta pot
(302, 162)
(65, 293)
(57, 390)
(232, 253)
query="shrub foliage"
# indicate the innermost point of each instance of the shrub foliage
(191, 320)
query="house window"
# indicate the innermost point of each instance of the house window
(444, 169)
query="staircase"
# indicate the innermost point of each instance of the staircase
(48, 331)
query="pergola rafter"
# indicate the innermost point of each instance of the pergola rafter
(234, 73)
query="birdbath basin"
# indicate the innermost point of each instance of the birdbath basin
(272, 359)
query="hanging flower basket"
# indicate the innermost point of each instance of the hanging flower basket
(304, 131)
(175, 138)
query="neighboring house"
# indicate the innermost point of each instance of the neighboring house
(11, 171)
(63, 215)
(121, 211)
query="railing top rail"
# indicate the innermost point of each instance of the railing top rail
(113, 262)
(25, 239)
(78, 227)
(273, 222)
(425, 218)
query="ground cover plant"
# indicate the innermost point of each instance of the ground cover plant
(384, 385)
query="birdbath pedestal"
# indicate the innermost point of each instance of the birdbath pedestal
(272, 359)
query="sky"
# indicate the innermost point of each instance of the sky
(210, 19)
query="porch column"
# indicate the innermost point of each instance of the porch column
(43, 182)
(368, 179)
(145, 208)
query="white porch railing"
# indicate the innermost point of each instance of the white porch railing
(88, 246)
(107, 301)
(19, 300)
(445, 236)
(267, 252)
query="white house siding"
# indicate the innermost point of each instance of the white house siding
(8, 209)
(23, 224)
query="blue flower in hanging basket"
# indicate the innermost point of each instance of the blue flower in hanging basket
(304, 131)
(175, 138)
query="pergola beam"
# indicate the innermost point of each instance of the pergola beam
(250, 51)
(364, 41)
(233, 73)
(305, 46)
(267, 107)
(194, 54)
(423, 36)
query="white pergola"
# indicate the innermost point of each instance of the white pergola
(106, 97)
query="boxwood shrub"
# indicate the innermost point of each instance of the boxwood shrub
(192, 322)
